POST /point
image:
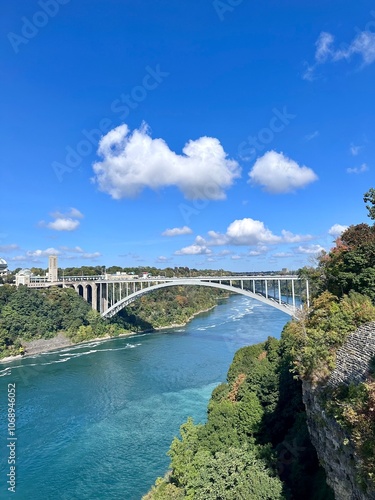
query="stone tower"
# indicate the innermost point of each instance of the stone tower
(52, 268)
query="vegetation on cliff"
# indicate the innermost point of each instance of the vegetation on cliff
(27, 314)
(255, 443)
(344, 284)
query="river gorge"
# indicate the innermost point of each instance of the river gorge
(95, 420)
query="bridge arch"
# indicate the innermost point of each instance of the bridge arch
(281, 306)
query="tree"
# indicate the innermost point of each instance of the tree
(369, 197)
(358, 235)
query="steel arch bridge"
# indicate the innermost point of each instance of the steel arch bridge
(265, 296)
(108, 294)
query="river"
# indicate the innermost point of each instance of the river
(95, 421)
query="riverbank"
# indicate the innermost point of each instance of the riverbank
(60, 341)
(42, 346)
(180, 325)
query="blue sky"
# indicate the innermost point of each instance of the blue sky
(203, 133)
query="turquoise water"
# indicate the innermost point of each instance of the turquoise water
(95, 421)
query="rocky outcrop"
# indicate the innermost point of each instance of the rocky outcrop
(333, 444)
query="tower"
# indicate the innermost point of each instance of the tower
(52, 268)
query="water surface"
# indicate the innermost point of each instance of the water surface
(95, 421)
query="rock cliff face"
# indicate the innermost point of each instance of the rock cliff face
(333, 445)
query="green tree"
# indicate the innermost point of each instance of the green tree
(369, 197)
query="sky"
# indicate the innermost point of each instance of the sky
(213, 134)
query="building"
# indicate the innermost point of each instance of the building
(52, 275)
(23, 277)
(3, 267)
(26, 277)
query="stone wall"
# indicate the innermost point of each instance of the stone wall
(333, 445)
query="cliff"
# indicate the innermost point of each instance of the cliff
(334, 443)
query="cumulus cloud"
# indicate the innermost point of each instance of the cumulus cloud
(337, 230)
(177, 231)
(72, 213)
(42, 253)
(362, 45)
(63, 224)
(310, 249)
(64, 221)
(134, 161)
(279, 174)
(63, 252)
(250, 232)
(243, 232)
(194, 250)
(358, 170)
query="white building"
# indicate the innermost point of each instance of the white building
(23, 277)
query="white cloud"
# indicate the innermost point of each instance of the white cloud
(250, 232)
(134, 161)
(358, 170)
(313, 135)
(162, 259)
(336, 230)
(78, 253)
(362, 45)
(289, 237)
(282, 255)
(223, 253)
(64, 221)
(72, 213)
(259, 251)
(310, 249)
(177, 231)
(93, 255)
(194, 250)
(323, 47)
(75, 249)
(354, 150)
(63, 224)
(43, 253)
(279, 174)
(244, 232)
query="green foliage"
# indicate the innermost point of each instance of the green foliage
(369, 197)
(29, 314)
(313, 340)
(353, 407)
(229, 474)
(174, 305)
(230, 456)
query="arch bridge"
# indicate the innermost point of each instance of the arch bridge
(109, 294)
